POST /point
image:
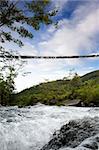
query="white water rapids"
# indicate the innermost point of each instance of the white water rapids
(32, 127)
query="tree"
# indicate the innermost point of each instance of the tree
(15, 16)
(76, 81)
(7, 86)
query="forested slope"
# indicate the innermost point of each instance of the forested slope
(62, 92)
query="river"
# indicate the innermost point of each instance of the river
(32, 127)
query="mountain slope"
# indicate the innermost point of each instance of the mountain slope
(91, 75)
(62, 92)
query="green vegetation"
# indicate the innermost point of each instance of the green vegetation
(91, 75)
(85, 90)
(62, 92)
(16, 18)
(7, 87)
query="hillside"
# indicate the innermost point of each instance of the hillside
(91, 75)
(62, 92)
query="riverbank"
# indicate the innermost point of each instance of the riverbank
(76, 103)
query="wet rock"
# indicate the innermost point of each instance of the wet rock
(97, 139)
(52, 101)
(91, 143)
(75, 102)
(20, 106)
(9, 120)
(93, 146)
(74, 133)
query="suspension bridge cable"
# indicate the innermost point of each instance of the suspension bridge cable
(48, 57)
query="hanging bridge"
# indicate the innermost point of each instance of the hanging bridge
(48, 57)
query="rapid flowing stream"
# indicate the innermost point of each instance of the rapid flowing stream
(32, 127)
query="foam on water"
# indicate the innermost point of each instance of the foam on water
(32, 127)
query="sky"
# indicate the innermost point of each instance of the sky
(77, 34)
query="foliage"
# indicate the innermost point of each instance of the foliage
(7, 87)
(91, 75)
(15, 19)
(58, 92)
(76, 81)
(89, 93)
(16, 15)
(61, 92)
